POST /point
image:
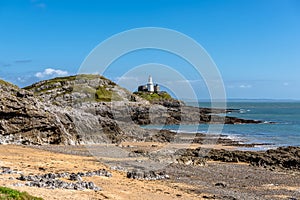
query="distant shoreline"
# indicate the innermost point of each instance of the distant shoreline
(241, 100)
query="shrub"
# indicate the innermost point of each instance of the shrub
(154, 96)
(10, 194)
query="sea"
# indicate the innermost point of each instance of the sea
(285, 131)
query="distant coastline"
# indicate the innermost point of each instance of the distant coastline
(240, 100)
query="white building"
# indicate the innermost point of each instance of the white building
(150, 85)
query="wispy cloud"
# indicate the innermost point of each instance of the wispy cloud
(22, 79)
(240, 84)
(23, 61)
(126, 78)
(188, 81)
(286, 84)
(41, 5)
(5, 65)
(49, 72)
(38, 3)
(245, 86)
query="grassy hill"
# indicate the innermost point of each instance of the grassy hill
(79, 88)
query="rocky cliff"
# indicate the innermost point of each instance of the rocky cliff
(86, 109)
(29, 118)
(25, 119)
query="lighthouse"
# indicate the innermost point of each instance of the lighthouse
(150, 85)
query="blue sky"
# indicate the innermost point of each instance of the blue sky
(254, 43)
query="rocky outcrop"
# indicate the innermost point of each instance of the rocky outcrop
(39, 116)
(281, 158)
(87, 109)
(159, 114)
(74, 90)
(27, 120)
(79, 92)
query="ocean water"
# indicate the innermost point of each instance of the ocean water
(284, 132)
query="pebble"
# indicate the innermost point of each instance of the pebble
(117, 168)
(147, 175)
(221, 185)
(18, 184)
(52, 181)
(7, 170)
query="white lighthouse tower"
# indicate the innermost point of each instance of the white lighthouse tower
(150, 85)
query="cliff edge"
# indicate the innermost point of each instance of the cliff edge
(90, 109)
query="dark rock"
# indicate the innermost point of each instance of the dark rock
(49, 176)
(221, 185)
(229, 198)
(7, 170)
(209, 197)
(280, 158)
(51, 180)
(146, 175)
(42, 169)
(135, 174)
(75, 177)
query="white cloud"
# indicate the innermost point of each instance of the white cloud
(21, 79)
(186, 81)
(126, 78)
(51, 72)
(245, 86)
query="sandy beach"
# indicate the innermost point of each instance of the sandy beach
(214, 180)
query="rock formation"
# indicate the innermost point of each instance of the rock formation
(27, 120)
(87, 109)
(281, 158)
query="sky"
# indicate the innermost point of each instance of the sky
(255, 44)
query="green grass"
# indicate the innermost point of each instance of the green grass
(154, 96)
(83, 89)
(10, 194)
(77, 77)
(2, 82)
(99, 94)
(70, 78)
(104, 94)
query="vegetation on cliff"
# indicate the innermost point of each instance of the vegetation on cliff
(78, 89)
(153, 97)
(53, 82)
(10, 194)
(4, 85)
